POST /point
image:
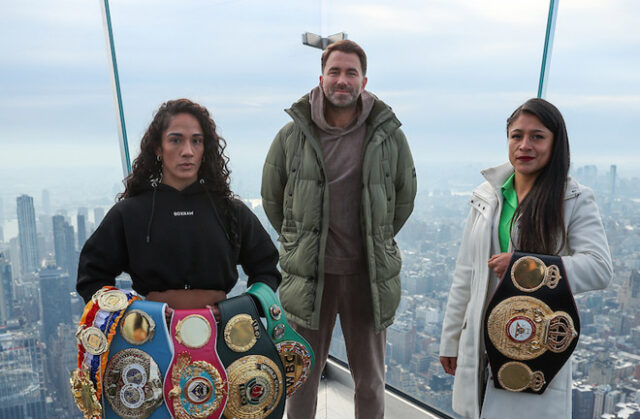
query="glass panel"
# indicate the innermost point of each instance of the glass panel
(595, 83)
(452, 71)
(59, 172)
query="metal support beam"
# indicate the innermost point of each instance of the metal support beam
(115, 84)
(548, 47)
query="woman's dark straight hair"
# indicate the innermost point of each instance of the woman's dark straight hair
(540, 215)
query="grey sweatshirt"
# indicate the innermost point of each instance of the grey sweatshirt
(342, 151)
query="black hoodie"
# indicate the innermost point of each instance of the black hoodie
(176, 240)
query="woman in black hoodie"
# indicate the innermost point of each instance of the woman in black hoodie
(177, 229)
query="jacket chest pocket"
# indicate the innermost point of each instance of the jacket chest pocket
(388, 185)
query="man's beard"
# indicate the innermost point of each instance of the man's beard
(331, 101)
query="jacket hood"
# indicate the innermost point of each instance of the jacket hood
(300, 112)
(317, 102)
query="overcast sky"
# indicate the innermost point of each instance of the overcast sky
(452, 70)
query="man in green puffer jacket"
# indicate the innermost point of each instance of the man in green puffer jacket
(338, 184)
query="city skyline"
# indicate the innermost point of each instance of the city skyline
(610, 335)
(453, 71)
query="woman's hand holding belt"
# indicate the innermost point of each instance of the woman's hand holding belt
(499, 263)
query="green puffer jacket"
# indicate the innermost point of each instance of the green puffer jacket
(295, 197)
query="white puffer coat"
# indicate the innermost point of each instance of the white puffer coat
(587, 262)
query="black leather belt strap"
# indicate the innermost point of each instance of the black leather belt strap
(531, 319)
(232, 342)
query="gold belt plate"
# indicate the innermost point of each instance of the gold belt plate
(523, 328)
(517, 376)
(194, 384)
(133, 384)
(241, 332)
(297, 364)
(193, 331)
(84, 393)
(255, 387)
(530, 273)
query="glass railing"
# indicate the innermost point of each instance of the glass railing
(452, 72)
(594, 82)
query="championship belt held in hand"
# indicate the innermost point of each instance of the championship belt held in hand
(196, 385)
(531, 323)
(256, 385)
(295, 352)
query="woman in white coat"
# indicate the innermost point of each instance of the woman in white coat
(531, 205)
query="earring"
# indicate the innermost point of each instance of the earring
(158, 158)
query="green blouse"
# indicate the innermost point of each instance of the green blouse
(509, 206)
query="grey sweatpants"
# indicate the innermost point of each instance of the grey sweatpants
(349, 295)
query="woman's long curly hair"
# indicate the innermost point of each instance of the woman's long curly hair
(146, 167)
(213, 173)
(540, 215)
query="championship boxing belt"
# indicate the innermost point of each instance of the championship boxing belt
(139, 358)
(295, 352)
(195, 386)
(531, 323)
(95, 333)
(256, 384)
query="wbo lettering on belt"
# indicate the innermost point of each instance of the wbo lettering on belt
(295, 352)
(531, 323)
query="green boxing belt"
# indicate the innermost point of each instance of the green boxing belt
(295, 352)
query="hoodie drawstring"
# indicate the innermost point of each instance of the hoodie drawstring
(153, 208)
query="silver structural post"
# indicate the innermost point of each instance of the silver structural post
(548, 47)
(115, 84)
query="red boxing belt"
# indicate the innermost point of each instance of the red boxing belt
(196, 384)
(531, 324)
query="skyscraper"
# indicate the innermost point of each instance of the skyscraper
(22, 392)
(55, 300)
(27, 234)
(583, 397)
(1, 212)
(6, 289)
(613, 174)
(72, 253)
(98, 215)
(64, 245)
(58, 240)
(82, 229)
(46, 202)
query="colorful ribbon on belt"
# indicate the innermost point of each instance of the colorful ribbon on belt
(95, 332)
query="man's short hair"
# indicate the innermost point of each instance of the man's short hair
(348, 47)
